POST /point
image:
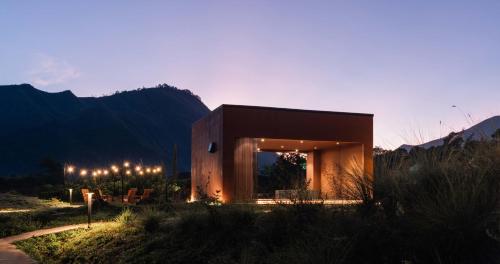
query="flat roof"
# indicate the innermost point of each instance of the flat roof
(289, 109)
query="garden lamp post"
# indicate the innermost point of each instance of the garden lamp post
(126, 164)
(114, 171)
(70, 196)
(89, 207)
(67, 170)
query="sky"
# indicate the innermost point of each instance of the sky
(407, 62)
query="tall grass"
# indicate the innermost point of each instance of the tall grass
(450, 198)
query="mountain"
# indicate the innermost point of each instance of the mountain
(140, 125)
(481, 130)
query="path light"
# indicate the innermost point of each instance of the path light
(158, 169)
(89, 205)
(148, 170)
(126, 164)
(70, 196)
(83, 172)
(137, 168)
(67, 170)
(129, 172)
(105, 172)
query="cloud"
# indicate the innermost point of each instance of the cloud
(49, 70)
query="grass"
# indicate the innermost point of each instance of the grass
(21, 214)
(429, 206)
(228, 234)
(12, 201)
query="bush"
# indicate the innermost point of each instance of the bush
(126, 217)
(48, 191)
(449, 196)
(150, 219)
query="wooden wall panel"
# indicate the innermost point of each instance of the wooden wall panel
(244, 169)
(313, 170)
(337, 167)
(207, 167)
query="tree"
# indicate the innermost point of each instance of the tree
(172, 187)
(379, 151)
(288, 172)
(174, 162)
(51, 171)
(496, 134)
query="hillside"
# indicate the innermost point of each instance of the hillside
(137, 125)
(481, 130)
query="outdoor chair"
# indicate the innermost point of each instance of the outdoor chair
(85, 195)
(131, 196)
(103, 197)
(147, 194)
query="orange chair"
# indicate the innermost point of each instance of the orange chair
(147, 194)
(103, 197)
(85, 193)
(131, 196)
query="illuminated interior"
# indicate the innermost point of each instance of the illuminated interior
(328, 166)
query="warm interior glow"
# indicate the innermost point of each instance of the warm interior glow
(316, 201)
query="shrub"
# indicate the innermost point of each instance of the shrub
(126, 217)
(150, 219)
(449, 196)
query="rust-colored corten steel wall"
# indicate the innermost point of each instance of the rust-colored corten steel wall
(229, 125)
(206, 168)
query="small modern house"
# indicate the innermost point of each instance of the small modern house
(225, 143)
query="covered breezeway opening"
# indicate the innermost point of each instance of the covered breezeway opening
(310, 169)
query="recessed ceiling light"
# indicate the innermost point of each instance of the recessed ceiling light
(296, 150)
(258, 149)
(338, 143)
(282, 146)
(262, 140)
(302, 141)
(315, 147)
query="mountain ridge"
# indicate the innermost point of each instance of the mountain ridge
(136, 125)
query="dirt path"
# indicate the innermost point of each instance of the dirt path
(10, 254)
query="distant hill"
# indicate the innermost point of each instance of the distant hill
(143, 124)
(481, 130)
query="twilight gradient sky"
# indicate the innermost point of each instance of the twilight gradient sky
(406, 62)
